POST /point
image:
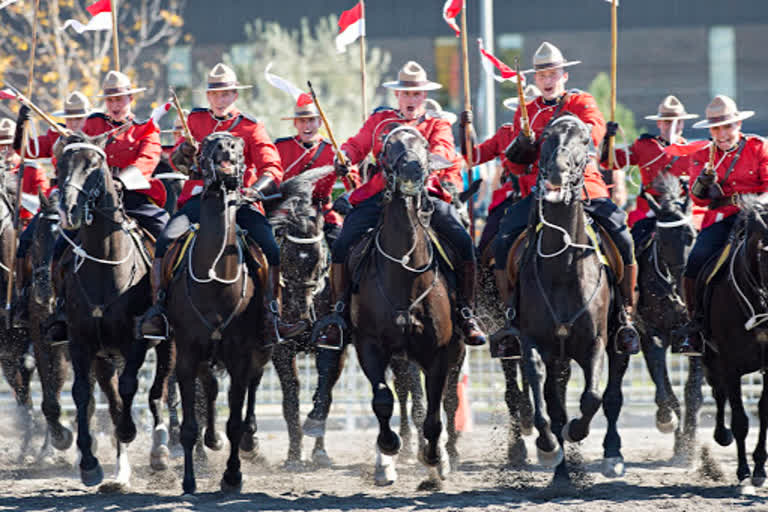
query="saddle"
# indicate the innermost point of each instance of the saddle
(608, 252)
(177, 251)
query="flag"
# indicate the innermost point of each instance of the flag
(6, 3)
(451, 9)
(686, 149)
(351, 26)
(284, 85)
(101, 20)
(611, 2)
(159, 112)
(491, 64)
(7, 94)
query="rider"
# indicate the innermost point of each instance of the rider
(262, 176)
(647, 152)
(411, 92)
(9, 160)
(523, 153)
(740, 167)
(307, 150)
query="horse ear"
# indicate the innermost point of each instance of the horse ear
(438, 163)
(100, 140)
(43, 200)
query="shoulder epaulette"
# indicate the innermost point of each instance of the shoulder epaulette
(199, 109)
(283, 139)
(381, 108)
(754, 136)
(575, 91)
(646, 136)
(98, 115)
(249, 117)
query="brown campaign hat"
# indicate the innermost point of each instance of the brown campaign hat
(118, 84)
(223, 78)
(412, 77)
(76, 105)
(723, 110)
(304, 108)
(670, 109)
(7, 129)
(434, 109)
(549, 56)
(531, 92)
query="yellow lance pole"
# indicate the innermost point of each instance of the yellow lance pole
(115, 45)
(363, 74)
(467, 106)
(182, 118)
(614, 44)
(336, 149)
(524, 121)
(37, 110)
(17, 212)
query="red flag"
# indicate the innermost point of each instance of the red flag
(490, 62)
(7, 94)
(686, 149)
(100, 6)
(351, 26)
(451, 9)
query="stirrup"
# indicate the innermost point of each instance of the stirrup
(274, 310)
(508, 329)
(619, 349)
(334, 318)
(155, 338)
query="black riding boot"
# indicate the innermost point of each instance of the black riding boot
(275, 329)
(627, 338)
(692, 343)
(473, 334)
(333, 336)
(505, 343)
(153, 325)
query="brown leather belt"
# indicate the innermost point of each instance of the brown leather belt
(724, 201)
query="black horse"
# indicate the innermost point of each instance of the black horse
(105, 286)
(568, 299)
(661, 256)
(736, 308)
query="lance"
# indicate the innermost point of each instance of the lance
(20, 175)
(336, 149)
(115, 46)
(363, 76)
(182, 118)
(524, 121)
(614, 43)
(37, 110)
(467, 106)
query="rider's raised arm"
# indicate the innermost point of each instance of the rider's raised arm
(261, 155)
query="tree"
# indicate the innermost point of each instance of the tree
(68, 61)
(308, 53)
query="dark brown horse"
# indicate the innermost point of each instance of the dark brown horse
(215, 305)
(661, 309)
(105, 286)
(404, 303)
(566, 300)
(736, 309)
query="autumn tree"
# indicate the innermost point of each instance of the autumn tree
(67, 61)
(298, 55)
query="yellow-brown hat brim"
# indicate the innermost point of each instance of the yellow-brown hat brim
(406, 86)
(680, 117)
(738, 116)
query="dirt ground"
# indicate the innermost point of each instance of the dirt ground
(483, 482)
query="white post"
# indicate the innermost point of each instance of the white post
(487, 109)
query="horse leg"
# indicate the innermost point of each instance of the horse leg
(284, 359)
(374, 362)
(401, 371)
(526, 405)
(106, 375)
(329, 364)
(656, 360)
(159, 456)
(558, 374)
(128, 385)
(249, 442)
(613, 399)
(186, 374)
(433, 455)
(723, 435)
(450, 406)
(516, 451)
(549, 451)
(18, 376)
(172, 402)
(578, 428)
(52, 368)
(739, 424)
(759, 455)
(693, 401)
(212, 439)
(232, 481)
(90, 470)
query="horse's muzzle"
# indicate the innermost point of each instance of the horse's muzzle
(410, 187)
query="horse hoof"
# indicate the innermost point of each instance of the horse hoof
(92, 477)
(724, 436)
(64, 442)
(229, 488)
(550, 459)
(314, 428)
(444, 465)
(249, 443)
(758, 481)
(613, 467)
(746, 489)
(454, 461)
(293, 465)
(321, 459)
(160, 458)
(389, 446)
(190, 487)
(215, 442)
(667, 427)
(126, 434)
(517, 453)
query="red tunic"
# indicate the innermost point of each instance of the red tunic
(261, 156)
(295, 157)
(43, 144)
(749, 175)
(139, 146)
(371, 136)
(577, 103)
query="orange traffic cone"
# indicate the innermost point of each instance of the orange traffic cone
(463, 421)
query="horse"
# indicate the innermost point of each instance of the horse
(101, 308)
(568, 301)
(661, 310)
(735, 301)
(215, 306)
(404, 303)
(17, 364)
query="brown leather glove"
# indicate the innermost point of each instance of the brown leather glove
(184, 157)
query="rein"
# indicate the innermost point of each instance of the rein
(755, 319)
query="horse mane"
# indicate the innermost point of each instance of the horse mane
(667, 185)
(753, 206)
(296, 206)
